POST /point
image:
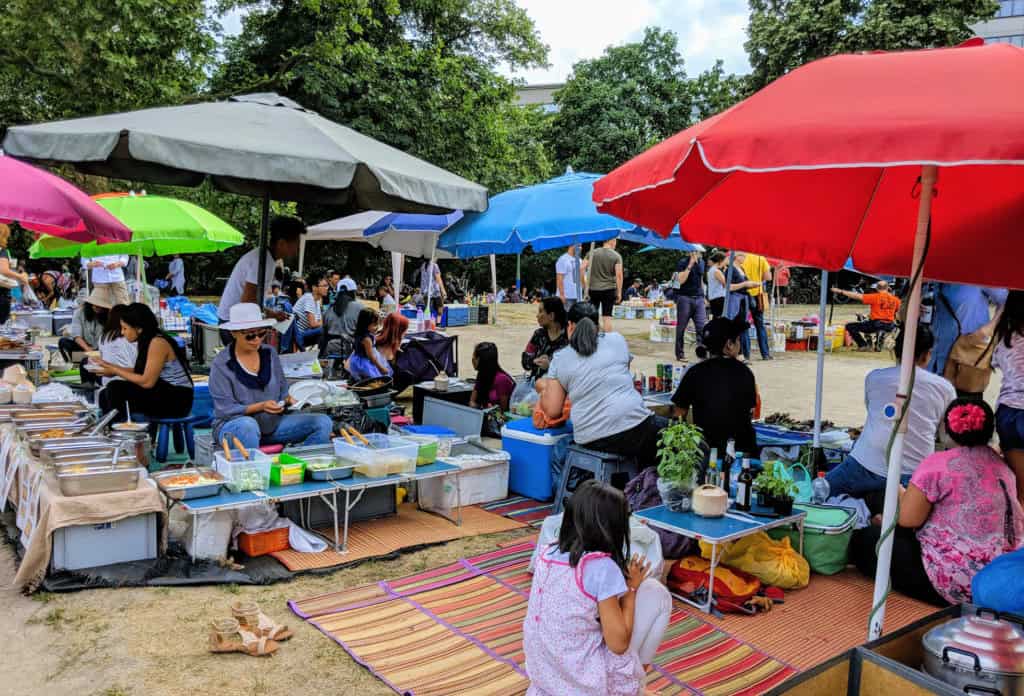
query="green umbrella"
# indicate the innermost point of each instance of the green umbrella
(160, 226)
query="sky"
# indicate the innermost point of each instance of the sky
(708, 30)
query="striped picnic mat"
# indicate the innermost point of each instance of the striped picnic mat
(525, 510)
(458, 630)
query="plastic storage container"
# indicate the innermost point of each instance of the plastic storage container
(428, 445)
(532, 453)
(456, 315)
(242, 474)
(384, 455)
(287, 471)
(484, 479)
(445, 436)
(92, 545)
(202, 406)
(262, 543)
(827, 533)
(61, 318)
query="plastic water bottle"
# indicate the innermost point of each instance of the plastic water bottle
(820, 489)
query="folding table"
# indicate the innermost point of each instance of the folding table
(716, 531)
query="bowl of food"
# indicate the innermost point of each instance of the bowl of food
(372, 386)
(129, 427)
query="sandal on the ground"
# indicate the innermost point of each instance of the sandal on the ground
(250, 617)
(226, 636)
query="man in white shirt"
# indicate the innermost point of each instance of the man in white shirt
(242, 283)
(567, 271)
(176, 275)
(432, 287)
(108, 277)
(865, 469)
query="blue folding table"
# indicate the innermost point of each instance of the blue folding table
(716, 531)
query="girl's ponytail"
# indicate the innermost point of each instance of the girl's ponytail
(584, 336)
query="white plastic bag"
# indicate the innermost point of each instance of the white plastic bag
(301, 540)
(642, 540)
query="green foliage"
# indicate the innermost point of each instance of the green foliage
(617, 105)
(713, 91)
(785, 34)
(65, 59)
(772, 482)
(679, 452)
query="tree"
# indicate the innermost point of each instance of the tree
(713, 91)
(66, 59)
(615, 106)
(785, 34)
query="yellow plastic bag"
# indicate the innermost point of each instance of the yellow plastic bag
(772, 562)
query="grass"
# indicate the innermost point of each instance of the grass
(43, 597)
(230, 589)
(113, 691)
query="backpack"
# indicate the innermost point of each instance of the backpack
(969, 365)
(642, 493)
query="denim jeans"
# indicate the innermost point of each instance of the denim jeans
(855, 481)
(762, 336)
(309, 337)
(857, 330)
(687, 308)
(293, 429)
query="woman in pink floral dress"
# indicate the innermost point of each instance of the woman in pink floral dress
(963, 503)
(593, 621)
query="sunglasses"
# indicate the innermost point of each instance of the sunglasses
(253, 335)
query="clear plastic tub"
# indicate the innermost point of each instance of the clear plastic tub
(384, 455)
(242, 474)
(429, 447)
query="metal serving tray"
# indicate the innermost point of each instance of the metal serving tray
(37, 445)
(336, 473)
(110, 480)
(189, 492)
(65, 458)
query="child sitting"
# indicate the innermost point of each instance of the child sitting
(366, 361)
(594, 620)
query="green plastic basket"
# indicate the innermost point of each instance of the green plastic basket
(827, 533)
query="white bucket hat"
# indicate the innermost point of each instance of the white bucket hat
(244, 316)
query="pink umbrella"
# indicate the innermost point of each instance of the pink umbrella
(42, 202)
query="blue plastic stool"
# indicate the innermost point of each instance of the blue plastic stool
(582, 464)
(178, 428)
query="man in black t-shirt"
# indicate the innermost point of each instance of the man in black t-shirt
(690, 304)
(721, 392)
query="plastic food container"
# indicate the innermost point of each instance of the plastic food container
(428, 446)
(287, 471)
(385, 455)
(242, 474)
(327, 468)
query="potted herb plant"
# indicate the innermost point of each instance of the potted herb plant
(679, 456)
(776, 488)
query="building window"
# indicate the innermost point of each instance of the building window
(1015, 40)
(1010, 8)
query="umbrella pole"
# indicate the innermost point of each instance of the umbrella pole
(929, 174)
(519, 258)
(302, 254)
(494, 290)
(820, 379)
(261, 278)
(430, 283)
(396, 274)
(138, 277)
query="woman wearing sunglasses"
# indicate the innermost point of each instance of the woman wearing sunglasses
(250, 392)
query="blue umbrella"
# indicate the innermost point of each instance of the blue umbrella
(556, 213)
(674, 241)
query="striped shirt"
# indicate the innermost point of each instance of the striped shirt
(305, 306)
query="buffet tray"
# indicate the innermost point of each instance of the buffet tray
(204, 490)
(110, 480)
(335, 473)
(38, 445)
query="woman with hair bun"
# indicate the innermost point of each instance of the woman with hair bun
(608, 414)
(963, 506)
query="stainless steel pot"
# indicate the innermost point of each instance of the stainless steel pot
(978, 654)
(135, 442)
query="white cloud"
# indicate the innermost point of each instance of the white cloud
(708, 30)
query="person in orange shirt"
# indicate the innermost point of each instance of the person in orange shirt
(882, 318)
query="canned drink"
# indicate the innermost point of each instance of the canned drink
(652, 383)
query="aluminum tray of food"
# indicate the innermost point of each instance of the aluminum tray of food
(93, 482)
(328, 467)
(64, 458)
(89, 466)
(186, 484)
(56, 444)
(28, 415)
(52, 431)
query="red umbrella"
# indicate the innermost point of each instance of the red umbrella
(42, 202)
(842, 158)
(822, 164)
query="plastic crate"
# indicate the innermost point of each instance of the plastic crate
(242, 474)
(455, 315)
(384, 455)
(288, 471)
(91, 545)
(262, 543)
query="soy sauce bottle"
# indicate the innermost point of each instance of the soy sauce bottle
(744, 487)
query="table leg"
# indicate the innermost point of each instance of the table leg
(195, 536)
(458, 498)
(334, 495)
(801, 525)
(711, 578)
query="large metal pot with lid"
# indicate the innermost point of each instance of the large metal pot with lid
(979, 654)
(133, 439)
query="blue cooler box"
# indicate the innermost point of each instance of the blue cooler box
(532, 452)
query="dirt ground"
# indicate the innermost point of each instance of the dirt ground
(153, 641)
